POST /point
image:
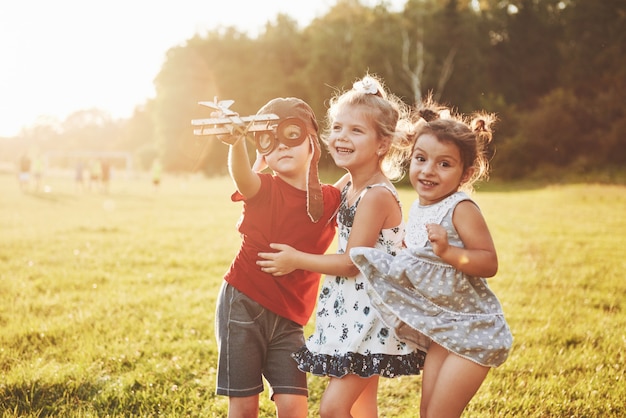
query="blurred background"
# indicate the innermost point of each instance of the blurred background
(554, 71)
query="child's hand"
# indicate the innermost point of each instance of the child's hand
(438, 237)
(278, 263)
(230, 139)
(259, 164)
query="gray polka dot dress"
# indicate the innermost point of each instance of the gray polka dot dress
(424, 299)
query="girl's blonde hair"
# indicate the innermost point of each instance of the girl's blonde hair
(471, 134)
(390, 116)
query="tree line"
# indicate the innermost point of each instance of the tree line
(554, 71)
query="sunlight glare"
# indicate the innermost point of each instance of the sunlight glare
(69, 55)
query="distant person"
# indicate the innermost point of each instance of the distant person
(105, 175)
(434, 293)
(369, 131)
(38, 169)
(156, 171)
(23, 175)
(259, 317)
(95, 173)
(79, 175)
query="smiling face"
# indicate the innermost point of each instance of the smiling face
(353, 139)
(436, 169)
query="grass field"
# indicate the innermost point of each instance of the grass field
(107, 301)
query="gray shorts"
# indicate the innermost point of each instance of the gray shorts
(253, 343)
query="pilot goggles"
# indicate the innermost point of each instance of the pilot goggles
(290, 132)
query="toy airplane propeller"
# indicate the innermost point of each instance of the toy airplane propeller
(229, 122)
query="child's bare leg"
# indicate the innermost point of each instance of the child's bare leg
(366, 406)
(245, 407)
(291, 406)
(342, 394)
(449, 383)
(434, 360)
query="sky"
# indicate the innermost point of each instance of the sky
(61, 56)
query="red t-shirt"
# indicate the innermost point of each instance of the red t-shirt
(277, 213)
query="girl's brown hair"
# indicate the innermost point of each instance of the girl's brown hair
(471, 134)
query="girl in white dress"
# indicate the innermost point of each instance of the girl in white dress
(434, 292)
(369, 131)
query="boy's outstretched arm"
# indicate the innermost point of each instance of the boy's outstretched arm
(246, 180)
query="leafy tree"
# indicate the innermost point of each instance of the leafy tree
(279, 52)
(139, 135)
(525, 58)
(596, 72)
(553, 70)
(184, 80)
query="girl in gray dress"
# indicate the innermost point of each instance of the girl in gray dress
(434, 293)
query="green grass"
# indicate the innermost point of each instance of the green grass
(107, 301)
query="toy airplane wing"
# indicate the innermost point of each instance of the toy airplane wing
(236, 120)
(230, 125)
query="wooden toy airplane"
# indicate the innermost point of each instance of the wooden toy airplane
(229, 122)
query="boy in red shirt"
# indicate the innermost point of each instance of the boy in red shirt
(260, 317)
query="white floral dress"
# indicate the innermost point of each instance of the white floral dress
(349, 336)
(425, 299)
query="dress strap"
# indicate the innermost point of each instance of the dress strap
(392, 189)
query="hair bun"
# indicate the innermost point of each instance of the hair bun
(428, 115)
(367, 85)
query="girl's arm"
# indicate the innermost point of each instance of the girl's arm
(479, 257)
(340, 184)
(378, 209)
(246, 180)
